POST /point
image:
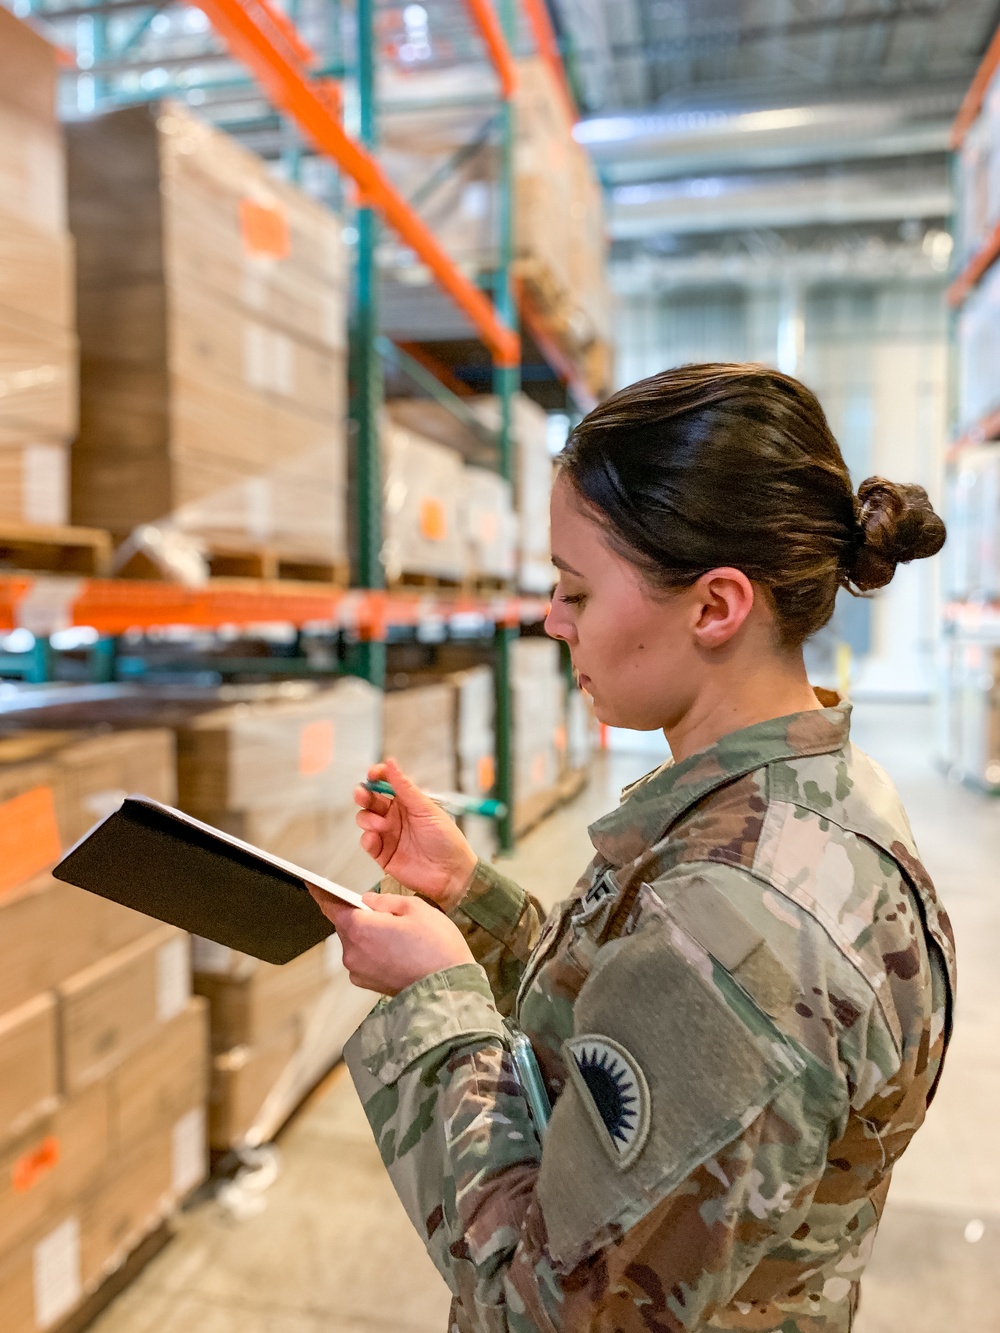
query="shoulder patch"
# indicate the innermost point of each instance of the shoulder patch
(615, 1094)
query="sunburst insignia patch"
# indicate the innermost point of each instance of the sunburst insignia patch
(615, 1093)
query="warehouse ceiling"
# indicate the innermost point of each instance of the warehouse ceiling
(738, 140)
(760, 140)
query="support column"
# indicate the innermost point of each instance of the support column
(367, 657)
(506, 382)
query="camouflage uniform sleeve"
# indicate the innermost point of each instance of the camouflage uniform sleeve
(501, 924)
(688, 1141)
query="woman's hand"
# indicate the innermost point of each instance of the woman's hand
(413, 839)
(398, 942)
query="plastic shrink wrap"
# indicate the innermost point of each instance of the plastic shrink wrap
(38, 356)
(213, 333)
(449, 167)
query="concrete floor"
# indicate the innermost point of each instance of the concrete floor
(330, 1248)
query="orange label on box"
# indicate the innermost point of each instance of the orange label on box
(264, 230)
(486, 772)
(316, 747)
(433, 519)
(29, 836)
(31, 1166)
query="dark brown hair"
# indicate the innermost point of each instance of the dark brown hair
(710, 465)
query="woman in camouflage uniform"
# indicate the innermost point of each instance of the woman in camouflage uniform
(741, 1011)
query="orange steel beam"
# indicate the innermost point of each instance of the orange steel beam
(973, 100)
(114, 606)
(548, 48)
(256, 37)
(485, 17)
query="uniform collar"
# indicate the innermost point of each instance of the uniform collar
(653, 805)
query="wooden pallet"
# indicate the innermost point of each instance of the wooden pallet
(260, 563)
(478, 585)
(263, 562)
(55, 549)
(430, 582)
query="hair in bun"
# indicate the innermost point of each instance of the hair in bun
(895, 524)
(710, 465)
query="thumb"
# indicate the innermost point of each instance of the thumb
(406, 790)
(391, 904)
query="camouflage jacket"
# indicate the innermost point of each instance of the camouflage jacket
(740, 1014)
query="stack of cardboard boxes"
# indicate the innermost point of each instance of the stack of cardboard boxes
(103, 1050)
(212, 322)
(458, 521)
(280, 773)
(539, 704)
(38, 358)
(451, 169)
(275, 765)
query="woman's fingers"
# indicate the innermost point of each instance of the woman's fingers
(372, 800)
(372, 844)
(368, 819)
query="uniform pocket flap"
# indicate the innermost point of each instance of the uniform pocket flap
(672, 1060)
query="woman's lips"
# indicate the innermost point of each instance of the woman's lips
(583, 681)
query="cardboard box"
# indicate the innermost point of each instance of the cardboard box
(100, 770)
(162, 1079)
(28, 69)
(240, 1082)
(55, 784)
(51, 930)
(302, 752)
(50, 1165)
(111, 1007)
(254, 1089)
(420, 733)
(46, 1277)
(227, 414)
(489, 524)
(248, 1009)
(423, 485)
(29, 1072)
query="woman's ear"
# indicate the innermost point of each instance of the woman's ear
(723, 598)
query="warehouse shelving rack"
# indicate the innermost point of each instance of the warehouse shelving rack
(307, 94)
(978, 622)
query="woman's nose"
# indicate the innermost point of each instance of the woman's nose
(558, 625)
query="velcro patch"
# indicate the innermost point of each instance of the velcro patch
(615, 1093)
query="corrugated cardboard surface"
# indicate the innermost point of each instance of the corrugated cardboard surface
(213, 333)
(255, 1088)
(299, 753)
(249, 1009)
(106, 1190)
(107, 1010)
(38, 350)
(423, 485)
(51, 930)
(29, 1071)
(420, 734)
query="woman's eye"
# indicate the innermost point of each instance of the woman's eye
(575, 600)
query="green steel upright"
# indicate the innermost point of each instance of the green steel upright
(506, 381)
(367, 658)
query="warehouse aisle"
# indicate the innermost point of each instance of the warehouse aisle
(331, 1249)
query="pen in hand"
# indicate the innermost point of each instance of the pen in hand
(455, 802)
